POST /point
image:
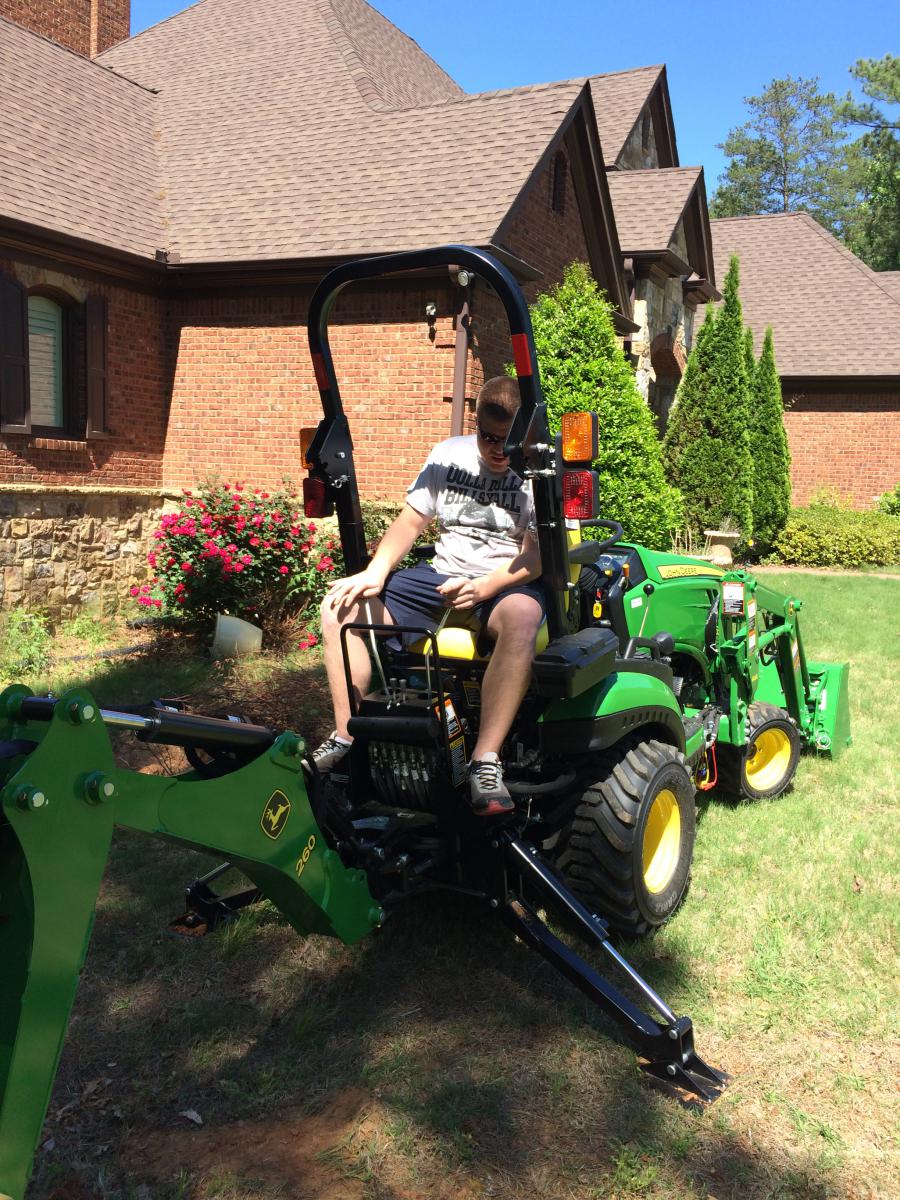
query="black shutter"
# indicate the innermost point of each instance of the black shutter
(75, 390)
(95, 346)
(15, 409)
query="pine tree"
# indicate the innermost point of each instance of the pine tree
(583, 369)
(769, 448)
(707, 444)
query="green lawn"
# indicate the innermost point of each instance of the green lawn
(440, 1059)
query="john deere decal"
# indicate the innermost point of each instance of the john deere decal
(275, 815)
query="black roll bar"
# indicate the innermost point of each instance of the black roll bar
(529, 444)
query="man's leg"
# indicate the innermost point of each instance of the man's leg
(371, 611)
(513, 623)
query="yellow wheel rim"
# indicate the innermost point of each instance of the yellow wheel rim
(662, 842)
(768, 759)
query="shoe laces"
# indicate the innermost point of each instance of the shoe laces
(329, 746)
(488, 774)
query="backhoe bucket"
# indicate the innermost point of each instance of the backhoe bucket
(829, 689)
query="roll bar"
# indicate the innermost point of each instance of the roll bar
(529, 443)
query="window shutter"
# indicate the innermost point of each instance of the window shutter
(97, 375)
(14, 406)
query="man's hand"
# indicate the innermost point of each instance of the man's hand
(462, 593)
(345, 592)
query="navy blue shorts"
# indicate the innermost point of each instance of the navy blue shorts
(412, 598)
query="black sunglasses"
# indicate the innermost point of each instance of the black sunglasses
(491, 438)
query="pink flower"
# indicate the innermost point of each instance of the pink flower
(134, 591)
(263, 495)
(238, 566)
(288, 545)
(186, 566)
(311, 527)
(151, 559)
(283, 570)
(312, 639)
(254, 541)
(257, 520)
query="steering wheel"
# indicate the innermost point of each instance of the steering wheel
(617, 534)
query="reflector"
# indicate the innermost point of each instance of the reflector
(306, 437)
(316, 501)
(581, 499)
(579, 436)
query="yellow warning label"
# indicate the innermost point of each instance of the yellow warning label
(682, 570)
(275, 815)
(458, 760)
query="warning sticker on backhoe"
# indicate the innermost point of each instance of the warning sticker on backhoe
(732, 599)
(458, 761)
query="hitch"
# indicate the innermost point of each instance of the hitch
(667, 1045)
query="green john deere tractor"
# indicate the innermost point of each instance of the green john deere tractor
(655, 675)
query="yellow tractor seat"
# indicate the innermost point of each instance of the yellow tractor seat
(460, 642)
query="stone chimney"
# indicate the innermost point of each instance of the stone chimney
(88, 26)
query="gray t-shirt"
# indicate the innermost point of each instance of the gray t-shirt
(483, 516)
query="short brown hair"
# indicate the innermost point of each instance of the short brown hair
(498, 399)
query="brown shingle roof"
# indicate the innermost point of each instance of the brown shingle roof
(77, 148)
(830, 314)
(649, 204)
(619, 99)
(890, 280)
(272, 147)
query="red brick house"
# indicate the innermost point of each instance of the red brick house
(836, 326)
(167, 204)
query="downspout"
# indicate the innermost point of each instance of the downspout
(460, 366)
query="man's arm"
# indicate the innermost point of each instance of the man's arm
(466, 593)
(397, 542)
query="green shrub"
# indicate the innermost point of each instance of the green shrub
(825, 535)
(707, 443)
(26, 643)
(583, 370)
(769, 451)
(890, 502)
(250, 553)
(86, 629)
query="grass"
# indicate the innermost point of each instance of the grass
(441, 1059)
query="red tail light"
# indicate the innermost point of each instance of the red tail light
(581, 499)
(316, 501)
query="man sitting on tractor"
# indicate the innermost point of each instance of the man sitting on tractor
(486, 563)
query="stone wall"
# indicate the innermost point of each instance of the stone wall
(665, 337)
(62, 549)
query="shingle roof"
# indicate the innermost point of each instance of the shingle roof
(890, 280)
(77, 147)
(619, 98)
(830, 313)
(649, 204)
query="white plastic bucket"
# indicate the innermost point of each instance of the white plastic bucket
(234, 637)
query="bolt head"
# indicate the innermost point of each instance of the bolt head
(673, 1034)
(671, 1068)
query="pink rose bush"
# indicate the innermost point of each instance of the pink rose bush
(239, 550)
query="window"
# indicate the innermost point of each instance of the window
(558, 186)
(53, 376)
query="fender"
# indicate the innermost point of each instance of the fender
(601, 716)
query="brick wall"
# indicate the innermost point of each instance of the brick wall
(88, 26)
(139, 372)
(244, 386)
(848, 441)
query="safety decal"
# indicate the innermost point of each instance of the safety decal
(732, 599)
(682, 570)
(458, 761)
(275, 815)
(453, 726)
(473, 691)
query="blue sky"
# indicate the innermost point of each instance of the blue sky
(716, 51)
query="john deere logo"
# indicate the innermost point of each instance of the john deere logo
(275, 815)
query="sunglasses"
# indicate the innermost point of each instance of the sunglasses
(491, 439)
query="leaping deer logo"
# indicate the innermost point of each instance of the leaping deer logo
(275, 815)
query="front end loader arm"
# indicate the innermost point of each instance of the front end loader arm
(61, 796)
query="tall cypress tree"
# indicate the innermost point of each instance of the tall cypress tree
(769, 447)
(707, 444)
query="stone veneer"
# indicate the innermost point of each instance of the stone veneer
(66, 548)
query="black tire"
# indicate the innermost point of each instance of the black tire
(627, 851)
(766, 765)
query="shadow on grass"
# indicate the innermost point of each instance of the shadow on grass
(477, 1062)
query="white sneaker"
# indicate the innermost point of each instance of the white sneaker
(327, 756)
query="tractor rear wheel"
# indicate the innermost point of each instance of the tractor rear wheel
(766, 765)
(627, 851)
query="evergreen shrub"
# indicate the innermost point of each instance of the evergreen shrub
(583, 369)
(769, 451)
(707, 443)
(827, 535)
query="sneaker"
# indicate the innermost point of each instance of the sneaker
(330, 754)
(487, 791)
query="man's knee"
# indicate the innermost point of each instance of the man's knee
(516, 620)
(333, 618)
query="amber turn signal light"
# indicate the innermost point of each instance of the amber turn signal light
(306, 439)
(579, 436)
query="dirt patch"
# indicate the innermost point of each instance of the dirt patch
(288, 1149)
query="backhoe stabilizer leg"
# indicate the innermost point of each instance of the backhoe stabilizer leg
(667, 1045)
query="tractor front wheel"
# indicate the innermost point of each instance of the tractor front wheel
(766, 765)
(627, 851)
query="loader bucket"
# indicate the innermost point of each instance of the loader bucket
(829, 691)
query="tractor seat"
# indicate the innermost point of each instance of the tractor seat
(461, 642)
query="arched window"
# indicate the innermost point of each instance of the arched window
(45, 362)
